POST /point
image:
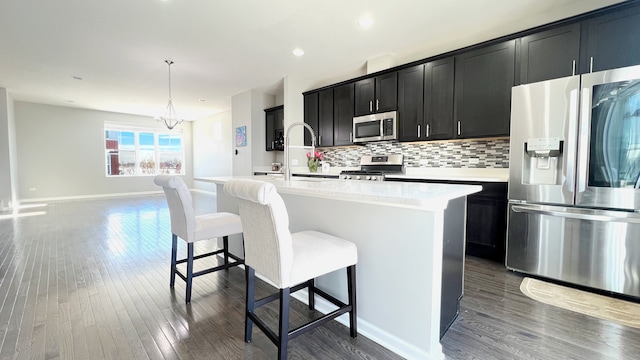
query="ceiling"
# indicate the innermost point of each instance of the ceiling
(109, 55)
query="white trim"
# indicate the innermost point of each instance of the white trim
(94, 196)
(103, 196)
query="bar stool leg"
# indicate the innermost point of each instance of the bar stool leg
(189, 271)
(225, 244)
(174, 254)
(250, 301)
(283, 327)
(351, 289)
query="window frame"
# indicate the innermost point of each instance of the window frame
(157, 152)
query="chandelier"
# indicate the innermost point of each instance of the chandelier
(170, 118)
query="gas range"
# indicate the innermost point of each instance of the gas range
(375, 167)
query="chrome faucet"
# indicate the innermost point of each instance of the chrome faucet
(287, 165)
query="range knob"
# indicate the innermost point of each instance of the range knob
(357, 177)
(370, 177)
(374, 178)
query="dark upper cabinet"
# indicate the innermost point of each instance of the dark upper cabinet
(364, 95)
(376, 94)
(439, 99)
(550, 54)
(311, 115)
(425, 101)
(274, 125)
(386, 92)
(410, 103)
(343, 98)
(483, 81)
(325, 117)
(612, 40)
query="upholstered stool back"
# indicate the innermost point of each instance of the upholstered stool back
(265, 223)
(183, 217)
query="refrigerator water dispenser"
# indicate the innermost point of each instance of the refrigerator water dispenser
(542, 163)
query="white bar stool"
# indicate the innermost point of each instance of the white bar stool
(290, 261)
(191, 228)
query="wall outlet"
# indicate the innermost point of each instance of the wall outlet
(32, 189)
(294, 162)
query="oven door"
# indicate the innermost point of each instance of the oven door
(608, 174)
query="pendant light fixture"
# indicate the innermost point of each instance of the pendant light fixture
(170, 118)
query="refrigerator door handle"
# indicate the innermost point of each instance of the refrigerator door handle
(579, 214)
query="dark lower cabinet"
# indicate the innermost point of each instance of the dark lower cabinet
(487, 222)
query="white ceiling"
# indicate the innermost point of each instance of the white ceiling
(224, 47)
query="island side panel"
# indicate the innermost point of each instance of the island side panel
(399, 271)
(228, 204)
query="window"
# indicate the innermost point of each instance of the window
(134, 152)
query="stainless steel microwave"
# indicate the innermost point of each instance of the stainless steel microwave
(375, 127)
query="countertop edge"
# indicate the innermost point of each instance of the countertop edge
(427, 197)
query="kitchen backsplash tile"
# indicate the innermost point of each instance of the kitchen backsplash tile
(482, 153)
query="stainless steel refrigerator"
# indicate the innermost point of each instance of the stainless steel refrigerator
(574, 180)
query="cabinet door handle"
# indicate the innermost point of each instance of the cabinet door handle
(458, 128)
(418, 131)
(591, 65)
(370, 105)
(427, 130)
(273, 145)
(377, 104)
(574, 68)
(320, 140)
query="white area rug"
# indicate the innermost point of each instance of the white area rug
(603, 307)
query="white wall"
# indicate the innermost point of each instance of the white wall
(212, 148)
(61, 153)
(5, 154)
(247, 109)
(13, 152)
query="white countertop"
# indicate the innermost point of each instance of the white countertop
(424, 196)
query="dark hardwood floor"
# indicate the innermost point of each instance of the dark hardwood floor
(89, 280)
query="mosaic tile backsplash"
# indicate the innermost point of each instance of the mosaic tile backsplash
(482, 153)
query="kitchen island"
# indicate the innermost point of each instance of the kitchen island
(399, 229)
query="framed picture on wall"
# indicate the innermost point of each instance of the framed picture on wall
(241, 136)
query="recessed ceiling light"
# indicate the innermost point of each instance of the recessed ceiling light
(365, 22)
(70, 101)
(77, 77)
(202, 100)
(298, 52)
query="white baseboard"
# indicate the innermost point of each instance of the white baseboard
(87, 197)
(104, 196)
